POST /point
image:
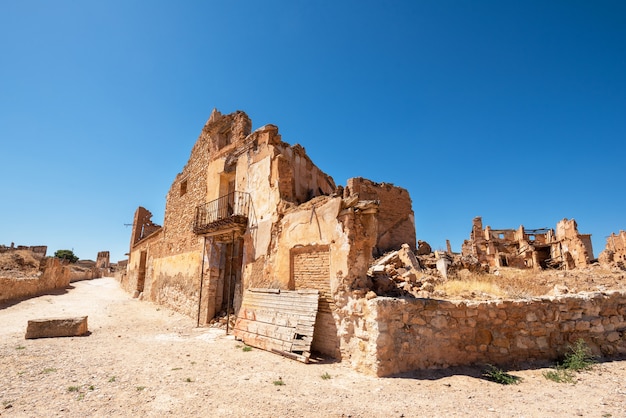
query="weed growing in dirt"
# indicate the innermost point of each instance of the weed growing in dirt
(578, 358)
(247, 348)
(112, 379)
(559, 375)
(500, 376)
(92, 387)
(279, 382)
(177, 368)
(325, 376)
(188, 380)
(73, 388)
(48, 370)
(140, 388)
(20, 347)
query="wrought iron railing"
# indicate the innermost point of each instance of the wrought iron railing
(233, 208)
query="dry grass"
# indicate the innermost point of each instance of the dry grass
(508, 283)
(471, 289)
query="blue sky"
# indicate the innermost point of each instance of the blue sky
(510, 110)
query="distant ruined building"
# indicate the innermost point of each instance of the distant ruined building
(529, 248)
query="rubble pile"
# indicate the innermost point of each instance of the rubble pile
(401, 273)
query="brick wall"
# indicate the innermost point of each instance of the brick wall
(396, 223)
(311, 270)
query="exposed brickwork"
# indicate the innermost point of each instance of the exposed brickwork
(396, 223)
(311, 270)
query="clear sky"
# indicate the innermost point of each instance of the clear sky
(510, 110)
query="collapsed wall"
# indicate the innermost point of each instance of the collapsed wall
(615, 250)
(393, 336)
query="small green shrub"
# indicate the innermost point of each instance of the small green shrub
(112, 379)
(279, 382)
(73, 388)
(92, 387)
(579, 357)
(247, 348)
(20, 347)
(325, 376)
(48, 370)
(140, 388)
(500, 376)
(188, 380)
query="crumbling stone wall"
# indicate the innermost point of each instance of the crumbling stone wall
(615, 250)
(38, 250)
(396, 221)
(574, 248)
(54, 275)
(400, 335)
(103, 260)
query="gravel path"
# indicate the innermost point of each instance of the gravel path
(144, 360)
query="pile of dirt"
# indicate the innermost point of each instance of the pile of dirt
(19, 264)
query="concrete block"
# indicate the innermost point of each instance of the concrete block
(56, 327)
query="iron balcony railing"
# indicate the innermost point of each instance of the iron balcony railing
(227, 211)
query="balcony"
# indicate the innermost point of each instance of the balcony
(229, 213)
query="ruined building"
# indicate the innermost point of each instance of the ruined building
(529, 248)
(615, 250)
(253, 227)
(250, 211)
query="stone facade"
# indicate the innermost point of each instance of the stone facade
(529, 248)
(400, 335)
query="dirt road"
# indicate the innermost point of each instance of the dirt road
(144, 360)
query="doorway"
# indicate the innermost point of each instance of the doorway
(141, 277)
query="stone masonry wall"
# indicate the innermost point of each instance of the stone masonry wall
(413, 334)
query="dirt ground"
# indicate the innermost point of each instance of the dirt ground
(144, 360)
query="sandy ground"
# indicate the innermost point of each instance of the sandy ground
(144, 360)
